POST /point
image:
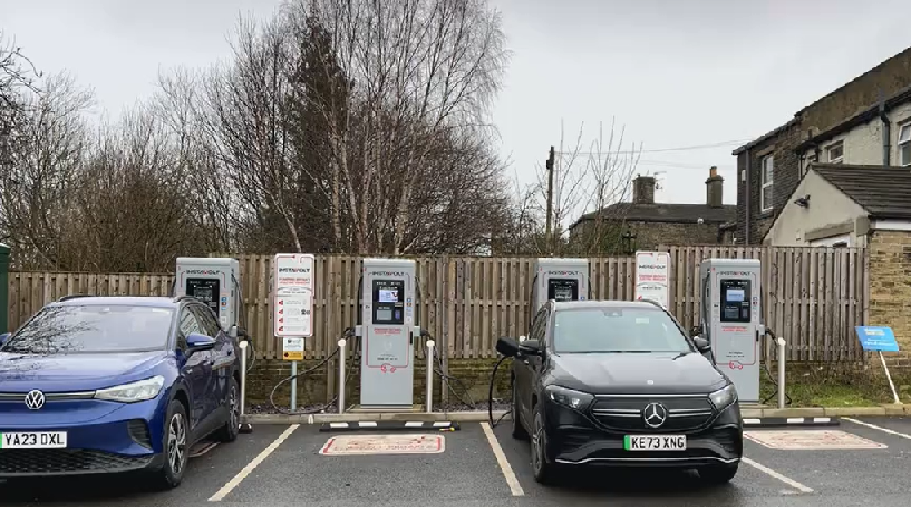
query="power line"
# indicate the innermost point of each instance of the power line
(682, 148)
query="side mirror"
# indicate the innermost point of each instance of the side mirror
(4, 337)
(702, 345)
(197, 342)
(531, 348)
(507, 346)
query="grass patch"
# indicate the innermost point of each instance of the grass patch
(836, 385)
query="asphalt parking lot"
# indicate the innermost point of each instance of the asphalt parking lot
(480, 466)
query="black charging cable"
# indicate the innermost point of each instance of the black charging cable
(493, 379)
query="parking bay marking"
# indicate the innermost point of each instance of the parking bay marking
(771, 473)
(875, 427)
(511, 480)
(360, 445)
(247, 470)
(810, 440)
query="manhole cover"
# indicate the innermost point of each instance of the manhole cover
(347, 445)
(801, 440)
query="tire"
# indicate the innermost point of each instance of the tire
(228, 432)
(518, 431)
(545, 472)
(176, 450)
(718, 475)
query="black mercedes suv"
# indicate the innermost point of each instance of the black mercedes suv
(620, 383)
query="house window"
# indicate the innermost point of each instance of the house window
(768, 177)
(836, 152)
(904, 144)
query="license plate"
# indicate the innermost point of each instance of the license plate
(654, 443)
(33, 440)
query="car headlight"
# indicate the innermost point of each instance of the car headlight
(723, 397)
(569, 398)
(134, 391)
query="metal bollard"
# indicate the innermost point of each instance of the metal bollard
(781, 376)
(244, 426)
(342, 358)
(430, 364)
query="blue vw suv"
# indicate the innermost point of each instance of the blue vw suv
(115, 384)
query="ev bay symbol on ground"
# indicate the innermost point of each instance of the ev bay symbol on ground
(809, 440)
(353, 445)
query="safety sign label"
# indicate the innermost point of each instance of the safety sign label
(353, 445)
(809, 440)
(293, 274)
(293, 348)
(292, 316)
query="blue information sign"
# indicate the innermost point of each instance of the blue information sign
(877, 338)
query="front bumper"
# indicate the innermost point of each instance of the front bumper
(577, 438)
(101, 437)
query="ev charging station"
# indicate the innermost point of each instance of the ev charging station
(731, 320)
(559, 279)
(215, 282)
(388, 332)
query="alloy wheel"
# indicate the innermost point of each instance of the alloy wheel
(177, 443)
(537, 446)
(234, 406)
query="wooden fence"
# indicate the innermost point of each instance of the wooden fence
(812, 297)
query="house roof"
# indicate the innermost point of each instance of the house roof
(666, 213)
(882, 191)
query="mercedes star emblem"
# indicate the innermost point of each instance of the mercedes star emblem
(34, 399)
(654, 414)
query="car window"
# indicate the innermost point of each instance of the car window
(210, 326)
(189, 324)
(617, 330)
(538, 326)
(93, 328)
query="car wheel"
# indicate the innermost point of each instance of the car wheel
(518, 431)
(176, 432)
(228, 432)
(718, 475)
(544, 471)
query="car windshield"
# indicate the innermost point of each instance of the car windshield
(93, 329)
(587, 330)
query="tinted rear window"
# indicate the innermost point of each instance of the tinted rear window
(617, 330)
(93, 328)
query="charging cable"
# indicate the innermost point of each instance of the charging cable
(493, 378)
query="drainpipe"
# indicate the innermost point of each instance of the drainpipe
(747, 179)
(887, 134)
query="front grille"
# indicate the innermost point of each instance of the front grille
(61, 461)
(625, 413)
(139, 432)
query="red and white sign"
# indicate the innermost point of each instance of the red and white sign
(292, 290)
(354, 445)
(810, 440)
(653, 274)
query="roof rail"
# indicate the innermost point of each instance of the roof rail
(74, 296)
(185, 298)
(652, 301)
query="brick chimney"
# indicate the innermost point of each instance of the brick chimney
(714, 189)
(644, 190)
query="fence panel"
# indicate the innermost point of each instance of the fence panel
(812, 297)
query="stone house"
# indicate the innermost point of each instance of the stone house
(860, 123)
(644, 224)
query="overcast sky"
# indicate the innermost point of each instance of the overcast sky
(677, 73)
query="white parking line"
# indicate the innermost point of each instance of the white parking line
(505, 467)
(771, 473)
(236, 480)
(875, 427)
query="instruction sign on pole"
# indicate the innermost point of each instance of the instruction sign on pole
(653, 274)
(880, 339)
(293, 348)
(292, 282)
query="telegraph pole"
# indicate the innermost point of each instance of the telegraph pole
(548, 227)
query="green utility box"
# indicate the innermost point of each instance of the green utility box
(4, 288)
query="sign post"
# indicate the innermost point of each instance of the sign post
(653, 277)
(292, 308)
(880, 339)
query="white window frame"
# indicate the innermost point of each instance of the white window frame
(766, 182)
(904, 127)
(842, 240)
(829, 148)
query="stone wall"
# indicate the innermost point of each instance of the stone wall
(890, 283)
(651, 234)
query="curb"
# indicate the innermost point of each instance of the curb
(761, 414)
(776, 422)
(390, 426)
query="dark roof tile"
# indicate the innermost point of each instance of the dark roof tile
(673, 213)
(885, 192)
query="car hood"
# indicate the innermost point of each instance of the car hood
(635, 373)
(71, 371)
